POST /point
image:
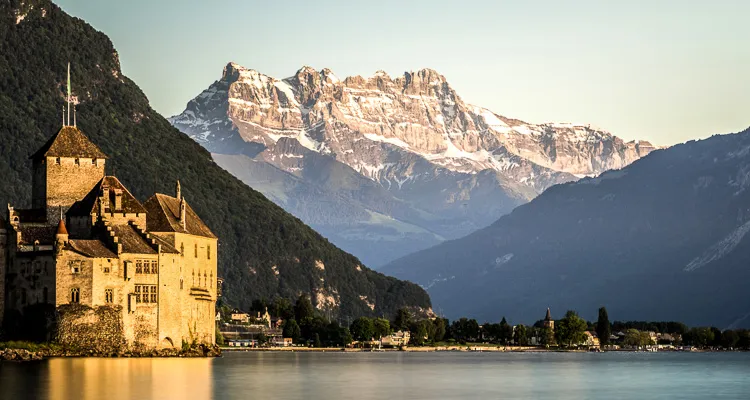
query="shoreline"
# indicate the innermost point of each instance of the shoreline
(451, 349)
(20, 354)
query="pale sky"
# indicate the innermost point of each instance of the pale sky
(660, 70)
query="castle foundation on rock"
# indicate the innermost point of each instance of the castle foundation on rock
(87, 244)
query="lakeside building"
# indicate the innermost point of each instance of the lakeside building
(396, 339)
(87, 242)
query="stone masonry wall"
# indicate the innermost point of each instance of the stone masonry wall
(95, 330)
(69, 182)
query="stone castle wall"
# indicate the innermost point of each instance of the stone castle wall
(69, 181)
(98, 330)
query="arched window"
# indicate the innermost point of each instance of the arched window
(75, 295)
(208, 251)
(109, 296)
(182, 249)
(196, 250)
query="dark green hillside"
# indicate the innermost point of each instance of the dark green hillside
(148, 155)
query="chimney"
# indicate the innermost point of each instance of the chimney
(178, 190)
(104, 199)
(118, 199)
(182, 213)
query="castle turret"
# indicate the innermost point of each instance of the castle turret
(61, 236)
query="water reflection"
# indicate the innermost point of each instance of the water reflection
(163, 378)
(282, 376)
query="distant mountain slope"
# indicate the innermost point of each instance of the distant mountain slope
(441, 168)
(662, 239)
(263, 251)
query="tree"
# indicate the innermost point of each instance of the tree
(381, 327)
(439, 329)
(336, 335)
(291, 330)
(698, 337)
(570, 330)
(465, 329)
(716, 341)
(505, 332)
(636, 338)
(303, 310)
(362, 329)
(219, 336)
(420, 332)
(729, 338)
(403, 320)
(282, 308)
(259, 305)
(316, 341)
(520, 336)
(546, 336)
(603, 327)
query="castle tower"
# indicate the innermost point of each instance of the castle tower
(65, 168)
(64, 171)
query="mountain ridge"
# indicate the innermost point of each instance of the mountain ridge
(663, 238)
(445, 167)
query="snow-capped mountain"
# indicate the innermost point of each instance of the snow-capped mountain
(402, 161)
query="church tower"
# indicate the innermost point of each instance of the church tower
(65, 169)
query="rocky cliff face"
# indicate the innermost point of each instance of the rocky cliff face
(400, 161)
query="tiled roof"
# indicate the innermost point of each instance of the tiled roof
(69, 142)
(91, 248)
(165, 246)
(164, 216)
(33, 233)
(132, 241)
(90, 202)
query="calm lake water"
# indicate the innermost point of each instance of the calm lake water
(386, 376)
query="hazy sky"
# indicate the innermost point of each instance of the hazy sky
(666, 71)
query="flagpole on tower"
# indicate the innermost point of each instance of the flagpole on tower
(68, 93)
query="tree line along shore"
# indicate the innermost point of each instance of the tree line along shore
(300, 327)
(283, 326)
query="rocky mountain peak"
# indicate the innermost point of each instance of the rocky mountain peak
(411, 136)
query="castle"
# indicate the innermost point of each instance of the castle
(88, 241)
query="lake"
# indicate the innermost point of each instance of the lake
(393, 375)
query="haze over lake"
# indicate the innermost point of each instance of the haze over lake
(386, 376)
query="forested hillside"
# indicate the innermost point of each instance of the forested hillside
(263, 251)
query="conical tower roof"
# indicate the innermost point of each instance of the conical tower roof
(549, 316)
(61, 230)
